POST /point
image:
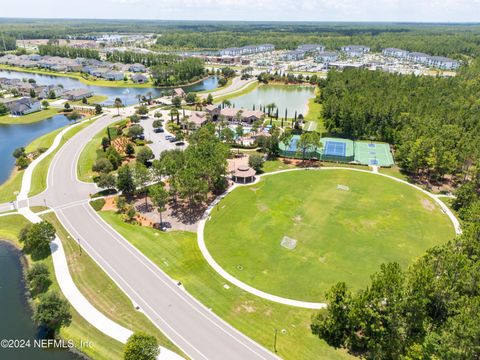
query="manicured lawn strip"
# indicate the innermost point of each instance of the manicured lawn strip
(341, 235)
(39, 178)
(101, 291)
(178, 255)
(315, 113)
(89, 155)
(234, 94)
(95, 99)
(10, 188)
(394, 171)
(29, 118)
(103, 347)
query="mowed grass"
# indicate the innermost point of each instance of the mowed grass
(40, 173)
(29, 118)
(178, 255)
(315, 114)
(101, 291)
(341, 235)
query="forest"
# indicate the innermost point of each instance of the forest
(433, 122)
(454, 40)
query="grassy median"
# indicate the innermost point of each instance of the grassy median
(178, 255)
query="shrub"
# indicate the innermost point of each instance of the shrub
(97, 204)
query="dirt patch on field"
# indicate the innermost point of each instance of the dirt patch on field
(247, 307)
(369, 223)
(297, 219)
(427, 204)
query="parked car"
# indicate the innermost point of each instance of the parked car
(158, 130)
(180, 143)
(172, 139)
(168, 137)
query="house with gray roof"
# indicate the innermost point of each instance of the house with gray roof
(22, 106)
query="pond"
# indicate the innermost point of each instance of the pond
(289, 97)
(127, 94)
(14, 136)
(16, 314)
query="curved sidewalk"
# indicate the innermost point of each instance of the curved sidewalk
(62, 273)
(285, 301)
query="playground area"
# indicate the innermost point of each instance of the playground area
(342, 150)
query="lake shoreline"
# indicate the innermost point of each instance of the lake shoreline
(28, 302)
(100, 82)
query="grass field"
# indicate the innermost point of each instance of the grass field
(341, 235)
(90, 153)
(40, 173)
(29, 118)
(315, 114)
(95, 99)
(234, 94)
(178, 255)
(102, 292)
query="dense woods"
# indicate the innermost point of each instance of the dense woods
(457, 43)
(68, 52)
(130, 57)
(433, 122)
(181, 72)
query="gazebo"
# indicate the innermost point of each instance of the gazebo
(244, 175)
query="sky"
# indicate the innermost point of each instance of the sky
(255, 10)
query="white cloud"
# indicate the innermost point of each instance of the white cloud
(317, 10)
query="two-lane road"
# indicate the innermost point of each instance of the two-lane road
(194, 328)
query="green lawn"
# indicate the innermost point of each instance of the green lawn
(315, 114)
(245, 90)
(29, 118)
(95, 99)
(39, 178)
(90, 153)
(178, 255)
(341, 235)
(102, 292)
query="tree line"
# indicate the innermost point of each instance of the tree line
(177, 73)
(429, 311)
(433, 122)
(68, 52)
(149, 59)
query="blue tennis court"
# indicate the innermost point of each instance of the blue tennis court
(293, 144)
(335, 148)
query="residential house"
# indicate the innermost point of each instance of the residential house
(232, 114)
(77, 94)
(114, 75)
(139, 79)
(137, 68)
(293, 55)
(22, 106)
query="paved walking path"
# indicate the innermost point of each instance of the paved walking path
(285, 301)
(62, 273)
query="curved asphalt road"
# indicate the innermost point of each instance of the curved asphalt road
(195, 329)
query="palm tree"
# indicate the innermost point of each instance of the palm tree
(118, 104)
(226, 103)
